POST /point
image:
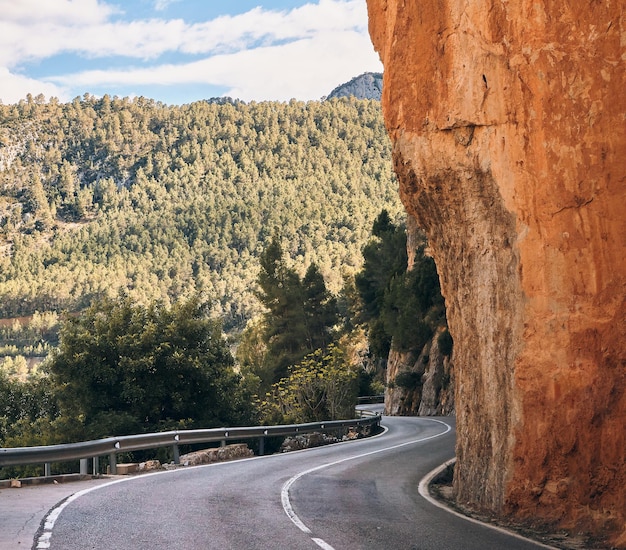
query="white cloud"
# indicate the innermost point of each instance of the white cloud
(145, 39)
(15, 87)
(161, 5)
(135, 39)
(308, 68)
(260, 54)
(66, 12)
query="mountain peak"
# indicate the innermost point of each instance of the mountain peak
(365, 86)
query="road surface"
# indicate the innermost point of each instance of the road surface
(349, 496)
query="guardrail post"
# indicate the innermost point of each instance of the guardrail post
(83, 466)
(176, 454)
(261, 445)
(112, 464)
(96, 465)
(46, 469)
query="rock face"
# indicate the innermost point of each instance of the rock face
(420, 383)
(508, 121)
(365, 86)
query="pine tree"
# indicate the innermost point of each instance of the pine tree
(320, 309)
(300, 312)
(401, 308)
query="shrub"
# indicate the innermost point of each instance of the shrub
(445, 343)
(408, 380)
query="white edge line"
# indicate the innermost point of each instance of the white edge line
(43, 540)
(423, 489)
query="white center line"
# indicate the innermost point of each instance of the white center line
(284, 493)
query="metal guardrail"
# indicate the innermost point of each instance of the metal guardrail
(371, 399)
(19, 456)
(364, 413)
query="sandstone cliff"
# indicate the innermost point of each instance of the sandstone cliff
(509, 127)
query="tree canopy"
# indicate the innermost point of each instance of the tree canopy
(147, 223)
(300, 312)
(167, 202)
(401, 307)
(127, 368)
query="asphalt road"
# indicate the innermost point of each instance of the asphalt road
(356, 495)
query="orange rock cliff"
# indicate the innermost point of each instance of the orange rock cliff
(508, 121)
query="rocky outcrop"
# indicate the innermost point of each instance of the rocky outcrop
(365, 86)
(508, 121)
(316, 439)
(420, 383)
(307, 441)
(216, 454)
(437, 381)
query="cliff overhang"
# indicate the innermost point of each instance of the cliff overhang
(508, 121)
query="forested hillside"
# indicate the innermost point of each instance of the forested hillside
(164, 202)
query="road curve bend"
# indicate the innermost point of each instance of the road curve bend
(356, 495)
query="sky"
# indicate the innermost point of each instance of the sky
(179, 51)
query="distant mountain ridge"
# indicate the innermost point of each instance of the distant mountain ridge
(168, 201)
(365, 86)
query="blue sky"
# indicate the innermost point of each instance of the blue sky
(179, 51)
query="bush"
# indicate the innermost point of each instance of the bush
(445, 342)
(125, 368)
(323, 386)
(408, 380)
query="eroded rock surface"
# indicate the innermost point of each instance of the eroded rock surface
(508, 121)
(216, 454)
(430, 391)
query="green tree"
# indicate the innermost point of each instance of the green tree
(323, 386)
(413, 306)
(384, 259)
(401, 308)
(320, 310)
(285, 325)
(123, 367)
(300, 315)
(22, 404)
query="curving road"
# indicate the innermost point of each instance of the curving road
(356, 495)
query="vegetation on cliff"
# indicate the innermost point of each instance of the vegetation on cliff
(402, 307)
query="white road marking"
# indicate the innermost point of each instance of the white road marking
(284, 493)
(43, 540)
(423, 490)
(322, 544)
